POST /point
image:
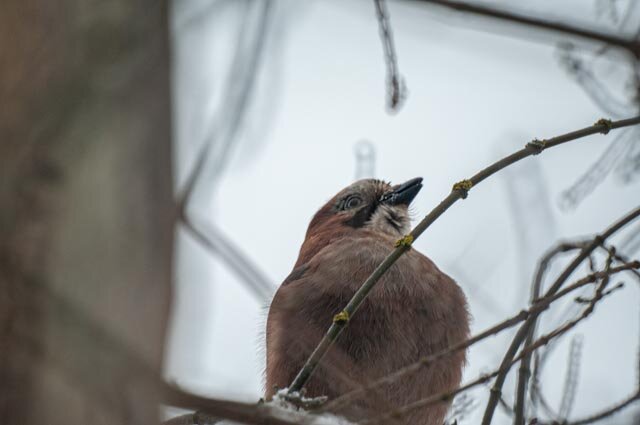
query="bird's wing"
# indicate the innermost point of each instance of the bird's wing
(296, 274)
(299, 316)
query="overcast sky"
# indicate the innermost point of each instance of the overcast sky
(473, 96)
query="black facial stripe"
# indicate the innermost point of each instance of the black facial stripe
(362, 216)
(394, 224)
(393, 216)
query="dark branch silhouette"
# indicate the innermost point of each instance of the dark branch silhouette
(631, 45)
(459, 191)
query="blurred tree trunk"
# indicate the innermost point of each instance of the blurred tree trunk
(86, 210)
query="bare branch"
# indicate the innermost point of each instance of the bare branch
(631, 244)
(584, 185)
(571, 379)
(594, 88)
(396, 89)
(539, 306)
(631, 45)
(505, 367)
(215, 242)
(460, 408)
(522, 333)
(524, 371)
(616, 408)
(210, 408)
(459, 191)
(198, 418)
(536, 392)
(75, 328)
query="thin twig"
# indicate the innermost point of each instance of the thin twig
(520, 336)
(460, 408)
(506, 407)
(571, 379)
(210, 239)
(631, 45)
(610, 411)
(524, 371)
(459, 191)
(536, 391)
(193, 418)
(337, 373)
(537, 398)
(396, 91)
(540, 305)
(540, 342)
(217, 244)
(238, 412)
(74, 327)
(596, 173)
(594, 88)
(504, 368)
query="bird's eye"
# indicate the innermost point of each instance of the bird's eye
(352, 202)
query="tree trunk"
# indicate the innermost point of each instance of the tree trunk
(86, 210)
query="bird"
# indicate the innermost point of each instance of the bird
(414, 310)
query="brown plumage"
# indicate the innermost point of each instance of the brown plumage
(415, 309)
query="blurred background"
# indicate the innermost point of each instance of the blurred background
(160, 162)
(291, 96)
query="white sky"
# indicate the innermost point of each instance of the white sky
(473, 96)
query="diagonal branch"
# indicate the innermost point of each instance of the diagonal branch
(536, 392)
(211, 239)
(217, 244)
(631, 45)
(522, 333)
(74, 327)
(396, 91)
(539, 306)
(505, 367)
(571, 379)
(607, 412)
(524, 372)
(208, 409)
(459, 191)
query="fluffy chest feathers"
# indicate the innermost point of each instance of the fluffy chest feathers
(415, 310)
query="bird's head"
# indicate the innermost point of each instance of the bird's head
(368, 204)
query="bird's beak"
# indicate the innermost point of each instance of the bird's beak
(403, 194)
